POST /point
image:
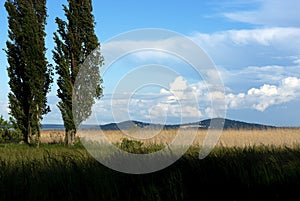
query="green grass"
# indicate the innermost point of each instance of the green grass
(54, 172)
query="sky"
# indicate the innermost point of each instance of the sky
(255, 46)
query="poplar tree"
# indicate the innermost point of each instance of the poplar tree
(75, 40)
(29, 72)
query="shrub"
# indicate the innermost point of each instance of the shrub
(7, 133)
(133, 146)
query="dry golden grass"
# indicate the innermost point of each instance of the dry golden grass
(52, 136)
(289, 137)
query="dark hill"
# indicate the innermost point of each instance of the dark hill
(205, 124)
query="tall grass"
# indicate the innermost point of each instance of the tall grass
(53, 172)
(281, 137)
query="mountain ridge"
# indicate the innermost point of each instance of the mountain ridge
(203, 124)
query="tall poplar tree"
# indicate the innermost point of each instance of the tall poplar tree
(29, 72)
(75, 41)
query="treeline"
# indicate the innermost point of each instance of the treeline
(31, 75)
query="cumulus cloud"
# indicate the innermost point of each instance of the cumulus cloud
(178, 87)
(181, 101)
(186, 102)
(260, 68)
(265, 96)
(178, 101)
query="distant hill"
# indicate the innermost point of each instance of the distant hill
(205, 124)
(126, 125)
(232, 124)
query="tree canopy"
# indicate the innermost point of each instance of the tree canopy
(29, 72)
(75, 40)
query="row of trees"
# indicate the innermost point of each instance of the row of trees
(30, 73)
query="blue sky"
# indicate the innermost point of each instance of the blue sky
(255, 46)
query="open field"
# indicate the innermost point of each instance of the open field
(280, 137)
(245, 165)
(55, 172)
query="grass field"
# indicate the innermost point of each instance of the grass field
(241, 167)
(288, 137)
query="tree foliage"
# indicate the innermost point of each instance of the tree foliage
(8, 133)
(75, 40)
(29, 72)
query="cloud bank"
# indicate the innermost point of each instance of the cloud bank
(178, 101)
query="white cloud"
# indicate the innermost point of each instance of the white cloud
(265, 96)
(270, 13)
(264, 37)
(256, 47)
(182, 101)
(291, 83)
(265, 90)
(239, 80)
(177, 101)
(151, 48)
(265, 61)
(283, 36)
(276, 47)
(178, 87)
(235, 101)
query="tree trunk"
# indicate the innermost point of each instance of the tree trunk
(70, 137)
(37, 139)
(28, 134)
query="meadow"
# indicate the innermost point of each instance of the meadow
(279, 137)
(245, 165)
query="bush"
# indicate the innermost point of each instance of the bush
(7, 133)
(10, 136)
(133, 146)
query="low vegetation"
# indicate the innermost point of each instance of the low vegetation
(54, 172)
(7, 133)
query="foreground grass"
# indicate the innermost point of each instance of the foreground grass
(54, 172)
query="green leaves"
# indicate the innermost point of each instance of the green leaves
(29, 72)
(75, 40)
(31, 75)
